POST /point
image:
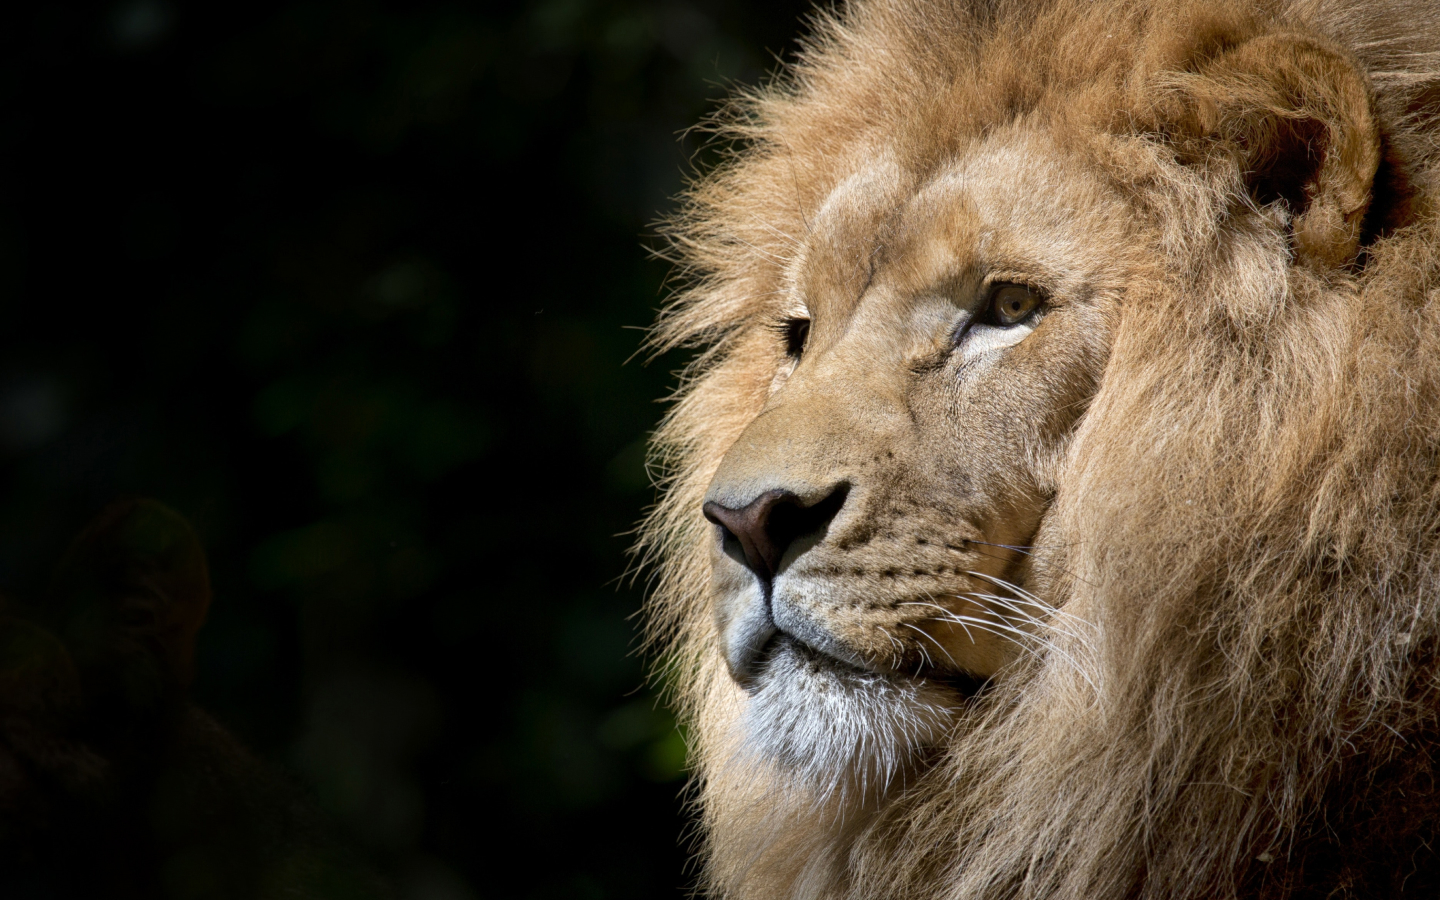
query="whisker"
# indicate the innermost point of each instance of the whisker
(1027, 617)
(948, 615)
(1002, 630)
(1030, 598)
(1018, 549)
(944, 614)
(926, 634)
(1026, 549)
(1005, 585)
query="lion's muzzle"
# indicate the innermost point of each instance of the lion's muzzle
(759, 534)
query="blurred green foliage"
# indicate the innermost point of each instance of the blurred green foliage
(353, 286)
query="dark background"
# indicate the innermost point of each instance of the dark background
(353, 286)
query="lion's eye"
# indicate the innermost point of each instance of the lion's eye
(1011, 304)
(797, 333)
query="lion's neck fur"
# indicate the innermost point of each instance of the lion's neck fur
(1254, 709)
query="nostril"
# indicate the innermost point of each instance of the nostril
(789, 522)
(765, 527)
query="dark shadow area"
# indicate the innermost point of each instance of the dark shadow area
(352, 287)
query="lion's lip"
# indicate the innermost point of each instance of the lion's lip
(754, 636)
(751, 654)
(749, 667)
(782, 642)
(754, 644)
(749, 647)
(965, 686)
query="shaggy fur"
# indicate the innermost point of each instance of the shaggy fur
(1245, 521)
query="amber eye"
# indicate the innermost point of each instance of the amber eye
(1011, 304)
(796, 332)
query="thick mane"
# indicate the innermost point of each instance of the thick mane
(1248, 532)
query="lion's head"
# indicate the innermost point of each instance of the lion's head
(1054, 509)
(939, 335)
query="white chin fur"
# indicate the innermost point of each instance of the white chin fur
(843, 732)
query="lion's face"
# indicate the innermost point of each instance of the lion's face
(939, 339)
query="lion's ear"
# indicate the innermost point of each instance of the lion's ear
(1295, 114)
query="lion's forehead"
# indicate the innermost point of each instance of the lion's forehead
(1012, 202)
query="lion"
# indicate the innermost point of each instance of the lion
(1052, 505)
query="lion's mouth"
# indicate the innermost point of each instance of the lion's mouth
(963, 683)
(772, 660)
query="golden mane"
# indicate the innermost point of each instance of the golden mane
(1249, 521)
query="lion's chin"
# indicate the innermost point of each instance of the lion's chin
(846, 734)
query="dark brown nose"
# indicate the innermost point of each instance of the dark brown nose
(765, 527)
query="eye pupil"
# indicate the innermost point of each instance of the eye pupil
(1012, 303)
(797, 333)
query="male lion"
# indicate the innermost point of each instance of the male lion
(1054, 509)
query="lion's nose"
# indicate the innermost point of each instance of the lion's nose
(767, 526)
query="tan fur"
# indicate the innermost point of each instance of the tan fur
(1208, 476)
